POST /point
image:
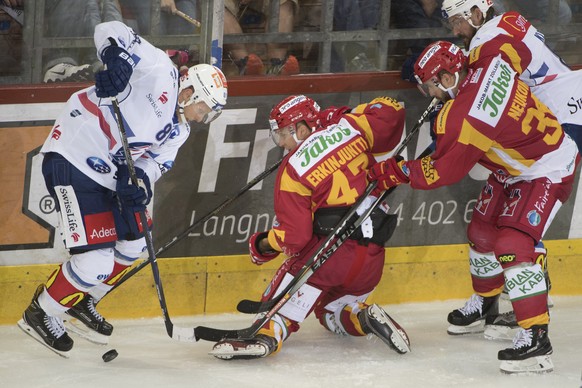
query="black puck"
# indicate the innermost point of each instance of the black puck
(110, 355)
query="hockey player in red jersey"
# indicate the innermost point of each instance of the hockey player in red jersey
(492, 118)
(321, 177)
(86, 173)
(550, 80)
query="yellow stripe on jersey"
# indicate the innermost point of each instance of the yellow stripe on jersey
(442, 118)
(475, 54)
(513, 56)
(471, 136)
(273, 240)
(290, 185)
(385, 100)
(362, 123)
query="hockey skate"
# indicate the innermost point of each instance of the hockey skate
(243, 349)
(470, 318)
(530, 352)
(86, 313)
(501, 326)
(46, 329)
(376, 321)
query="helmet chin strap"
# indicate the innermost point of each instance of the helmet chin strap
(297, 140)
(181, 114)
(449, 91)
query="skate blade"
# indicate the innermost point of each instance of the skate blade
(533, 365)
(78, 328)
(499, 333)
(399, 339)
(227, 351)
(476, 327)
(25, 327)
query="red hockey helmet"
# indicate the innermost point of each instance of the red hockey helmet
(292, 110)
(436, 57)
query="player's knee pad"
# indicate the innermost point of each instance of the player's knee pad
(526, 285)
(513, 247)
(87, 269)
(341, 315)
(128, 251)
(486, 273)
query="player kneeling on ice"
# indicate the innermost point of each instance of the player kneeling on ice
(492, 118)
(86, 173)
(324, 174)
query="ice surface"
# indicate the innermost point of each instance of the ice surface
(312, 357)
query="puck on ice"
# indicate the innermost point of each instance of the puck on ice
(110, 355)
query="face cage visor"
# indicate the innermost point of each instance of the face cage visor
(278, 134)
(208, 114)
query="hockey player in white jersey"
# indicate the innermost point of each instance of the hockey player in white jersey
(86, 173)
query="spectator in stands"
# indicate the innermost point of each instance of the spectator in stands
(73, 18)
(352, 15)
(280, 62)
(170, 23)
(536, 11)
(10, 37)
(417, 14)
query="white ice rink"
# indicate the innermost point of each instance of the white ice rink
(312, 357)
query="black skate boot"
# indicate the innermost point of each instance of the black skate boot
(470, 318)
(243, 349)
(376, 321)
(501, 326)
(86, 312)
(530, 352)
(44, 328)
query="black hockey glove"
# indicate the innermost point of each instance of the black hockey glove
(118, 69)
(131, 196)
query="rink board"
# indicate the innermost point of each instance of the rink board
(209, 285)
(209, 270)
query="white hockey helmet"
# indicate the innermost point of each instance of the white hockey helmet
(463, 7)
(210, 86)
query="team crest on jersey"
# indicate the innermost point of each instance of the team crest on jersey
(98, 165)
(494, 92)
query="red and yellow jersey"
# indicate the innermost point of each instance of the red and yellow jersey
(329, 168)
(524, 48)
(495, 121)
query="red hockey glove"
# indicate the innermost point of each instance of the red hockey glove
(389, 173)
(258, 257)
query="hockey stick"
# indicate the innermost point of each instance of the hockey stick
(188, 18)
(341, 232)
(201, 221)
(180, 334)
(253, 307)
